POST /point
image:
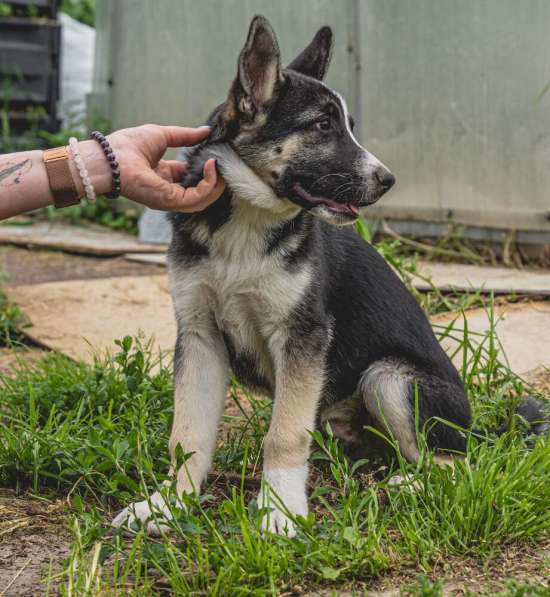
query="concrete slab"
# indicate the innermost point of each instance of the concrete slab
(156, 258)
(36, 266)
(500, 280)
(81, 317)
(522, 331)
(78, 316)
(74, 239)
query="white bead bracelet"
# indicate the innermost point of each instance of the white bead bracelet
(82, 171)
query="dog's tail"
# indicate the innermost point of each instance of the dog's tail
(533, 412)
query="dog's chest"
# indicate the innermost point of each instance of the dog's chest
(248, 295)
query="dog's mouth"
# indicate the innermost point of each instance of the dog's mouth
(310, 201)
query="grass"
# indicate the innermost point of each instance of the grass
(12, 320)
(454, 246)
(425, 588)
(81, 10)
(119, 214)
(98, 434)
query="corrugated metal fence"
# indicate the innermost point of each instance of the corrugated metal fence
(444, 92)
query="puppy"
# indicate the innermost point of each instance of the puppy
(273, 283)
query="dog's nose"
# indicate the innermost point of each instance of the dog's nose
(385, 178)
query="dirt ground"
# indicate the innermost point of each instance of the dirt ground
(520, 563)
(24, 266)
(540, 379)
(10, 359)
(33, 537)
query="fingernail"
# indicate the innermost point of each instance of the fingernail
(204, 126)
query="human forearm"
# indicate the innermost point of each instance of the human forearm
(144, 176)
(24, 184)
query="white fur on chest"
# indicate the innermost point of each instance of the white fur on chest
(245, 293)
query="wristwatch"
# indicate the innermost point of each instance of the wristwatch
(60, 177)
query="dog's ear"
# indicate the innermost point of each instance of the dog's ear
(259, 69)
(315, 59)
(259, 78)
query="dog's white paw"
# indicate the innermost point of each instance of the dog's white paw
(283, 493)
(406, 482)
(278, 523)
(150, 512)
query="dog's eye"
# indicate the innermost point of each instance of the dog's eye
(324, 125)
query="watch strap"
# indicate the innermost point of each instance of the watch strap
(61, 180)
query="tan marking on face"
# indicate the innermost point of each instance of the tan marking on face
(290, 146)
(275, 161)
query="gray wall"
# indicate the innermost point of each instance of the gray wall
(443, 91)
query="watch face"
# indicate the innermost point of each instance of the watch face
(55, 154)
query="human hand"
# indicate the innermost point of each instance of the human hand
(148, 179)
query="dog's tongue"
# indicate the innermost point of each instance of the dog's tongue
(313, 200)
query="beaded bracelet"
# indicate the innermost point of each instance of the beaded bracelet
(82, 171)
(115, 172)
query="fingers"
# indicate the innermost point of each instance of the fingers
(175, 168)
(176, 136)
(209, 173)
(156, 189)
(206, 192)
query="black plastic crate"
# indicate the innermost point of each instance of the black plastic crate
(29, 57)
(29, 73)
(33, 8)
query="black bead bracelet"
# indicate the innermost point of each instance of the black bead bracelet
(115, 172)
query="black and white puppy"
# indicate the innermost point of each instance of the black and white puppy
(270, 283)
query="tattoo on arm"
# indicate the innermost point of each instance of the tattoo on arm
(12, 171)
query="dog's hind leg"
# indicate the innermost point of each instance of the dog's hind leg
(395, 392)
(386, 388)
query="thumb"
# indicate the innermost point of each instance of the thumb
(176, 136)
(191, 199)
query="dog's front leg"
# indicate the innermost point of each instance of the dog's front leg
(299, 380)
(201, 374)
